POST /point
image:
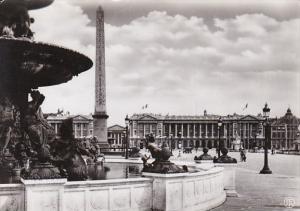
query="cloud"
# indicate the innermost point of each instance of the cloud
(66, 25)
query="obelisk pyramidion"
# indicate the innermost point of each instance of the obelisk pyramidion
(100, 116)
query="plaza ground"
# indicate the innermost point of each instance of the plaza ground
(261, 192)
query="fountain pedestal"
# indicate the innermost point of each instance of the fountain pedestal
(44, 195)
(187, 191)
(229, 178)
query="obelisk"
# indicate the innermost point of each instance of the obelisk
(100, 116)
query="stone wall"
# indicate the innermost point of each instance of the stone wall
(188, 191)
(11, 197)
(117, 194)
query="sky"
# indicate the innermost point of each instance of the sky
(179, 57)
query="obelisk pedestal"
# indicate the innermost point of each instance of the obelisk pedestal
(100, 116)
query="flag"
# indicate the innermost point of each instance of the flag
(246, 106)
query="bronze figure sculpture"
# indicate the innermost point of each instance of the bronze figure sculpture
(161, 163)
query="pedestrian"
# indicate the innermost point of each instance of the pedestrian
(243, 155)
(273, 150)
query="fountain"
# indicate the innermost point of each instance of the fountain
(26, 65)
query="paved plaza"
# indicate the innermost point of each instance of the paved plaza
(261, 192)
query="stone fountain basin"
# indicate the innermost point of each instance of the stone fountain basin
(30, 4)
(40, 64)
(176, 192)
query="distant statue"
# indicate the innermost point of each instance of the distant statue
(161, 163)
(224, 158)
(204, 156)
(135, 152)
(159, 154)
(38, 129)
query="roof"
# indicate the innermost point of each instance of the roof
(116, 127)
(67, 116)
(159, 117)
(288, 119)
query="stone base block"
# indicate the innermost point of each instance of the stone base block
(229, 178)
(44, 195)
(187, 191)
(231, 193)
(204, 164)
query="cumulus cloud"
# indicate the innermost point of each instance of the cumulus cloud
(66, 25)
(179, 64)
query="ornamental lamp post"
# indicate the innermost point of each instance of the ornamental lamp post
(171, 145)
(179, 143)
(266, 113)
(126, 136)
(219, 129)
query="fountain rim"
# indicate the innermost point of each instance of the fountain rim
(29, 4)
(81, 62)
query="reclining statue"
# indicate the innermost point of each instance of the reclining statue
(161, 163)
(67, 153)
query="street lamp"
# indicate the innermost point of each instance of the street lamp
(219, 128)
(266, 113)
(179, 143)
(171, 145)
(127, 138)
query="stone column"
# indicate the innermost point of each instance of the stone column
(100, 116)
(188, 131)
(212, 130)
(175, 129)
(194, 130)
(182, 129)
(81, 130)
(200, 135)
(205, 130)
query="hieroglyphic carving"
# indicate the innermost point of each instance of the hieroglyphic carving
(100, 91)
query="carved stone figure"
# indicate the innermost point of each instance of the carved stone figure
(9, 117)
(16, 24)
(161, 163)
(204, 156)
(39, 131)
(68, 153)
(224, 158)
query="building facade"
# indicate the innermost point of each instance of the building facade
(82, 124)
(198, 131)
(285, 131)
(116, 135)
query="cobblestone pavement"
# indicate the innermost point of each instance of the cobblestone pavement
(257, 192)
